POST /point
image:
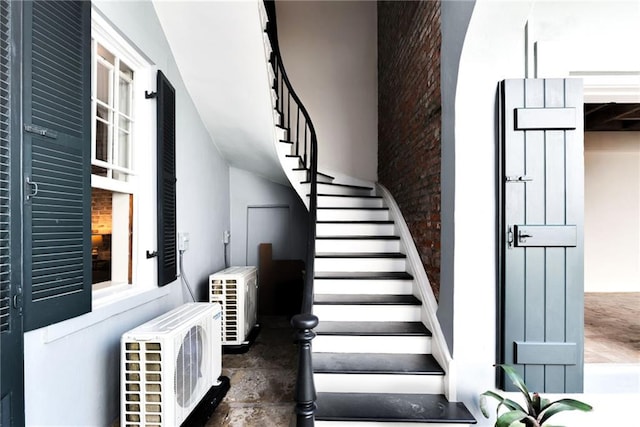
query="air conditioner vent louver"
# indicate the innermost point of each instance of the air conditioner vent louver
(169, 364)
(236, 290)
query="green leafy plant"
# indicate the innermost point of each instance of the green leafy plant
(538, 410)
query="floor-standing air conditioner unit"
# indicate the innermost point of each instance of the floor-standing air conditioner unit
(169, 364)
(236, 289)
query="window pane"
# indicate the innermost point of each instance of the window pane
(101, 229)
(105, 54)
(124, 124)
(102, 141)
(125, 97)
(97, 170)
(102, 112)
(102, 82)
(123, 154)
(124, 143)
(126, 71)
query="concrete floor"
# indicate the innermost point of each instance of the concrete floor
(612, 327)
(262, 380)
(612, 343)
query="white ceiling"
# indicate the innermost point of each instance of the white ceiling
(218, 47)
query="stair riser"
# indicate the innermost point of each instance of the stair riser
(320, 423)
(281, 134)
(379, 383)
(352, 215)
(346, 191)
(367, 313)
(299, 176)
(349, 229)
(388, 287)
(360, 264)
(355, 245)
(285, 149)
(348, 202)
(266, 42)
(372, 344)
(291, 162)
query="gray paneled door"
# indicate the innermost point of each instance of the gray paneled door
(541, 227)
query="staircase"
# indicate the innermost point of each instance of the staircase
(374, 361)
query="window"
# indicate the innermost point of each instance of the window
(119, 75)
(112, 98)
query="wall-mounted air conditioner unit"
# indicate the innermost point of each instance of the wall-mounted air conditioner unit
(236, 289)
(169, 364)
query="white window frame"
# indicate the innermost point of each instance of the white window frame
(114, 113)
(141, 175)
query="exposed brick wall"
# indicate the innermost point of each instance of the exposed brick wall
(409, 120)
(100, 211)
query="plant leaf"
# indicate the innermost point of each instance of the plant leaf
(544, 403)
(519, 383)
(509, 418)
(563, 405)
(483, 405)
(513, 406)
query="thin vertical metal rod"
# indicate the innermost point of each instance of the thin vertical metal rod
(281, 97)
(298, 130)
(288, 109)
(305, 142)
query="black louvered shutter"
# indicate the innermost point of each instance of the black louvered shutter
(11, 333)
(57, 148)
(5, 168)
(167, 242)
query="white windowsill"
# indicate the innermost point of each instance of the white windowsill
(107, 303)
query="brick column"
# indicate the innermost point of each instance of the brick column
(409, 120)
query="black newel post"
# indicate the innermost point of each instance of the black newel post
(305, 390)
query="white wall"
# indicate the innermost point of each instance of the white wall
(591, 40)
(494, 49)
(249, 191)
(612, 212)
(454, 17)
(329, 50)
(219, 48)
(72, 368)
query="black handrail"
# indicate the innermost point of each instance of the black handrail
(303, 136)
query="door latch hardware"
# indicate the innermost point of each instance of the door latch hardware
(522, 237)
(41, 131)
(17, 300)
(32, 191)
(510, 237)
(518, 178)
